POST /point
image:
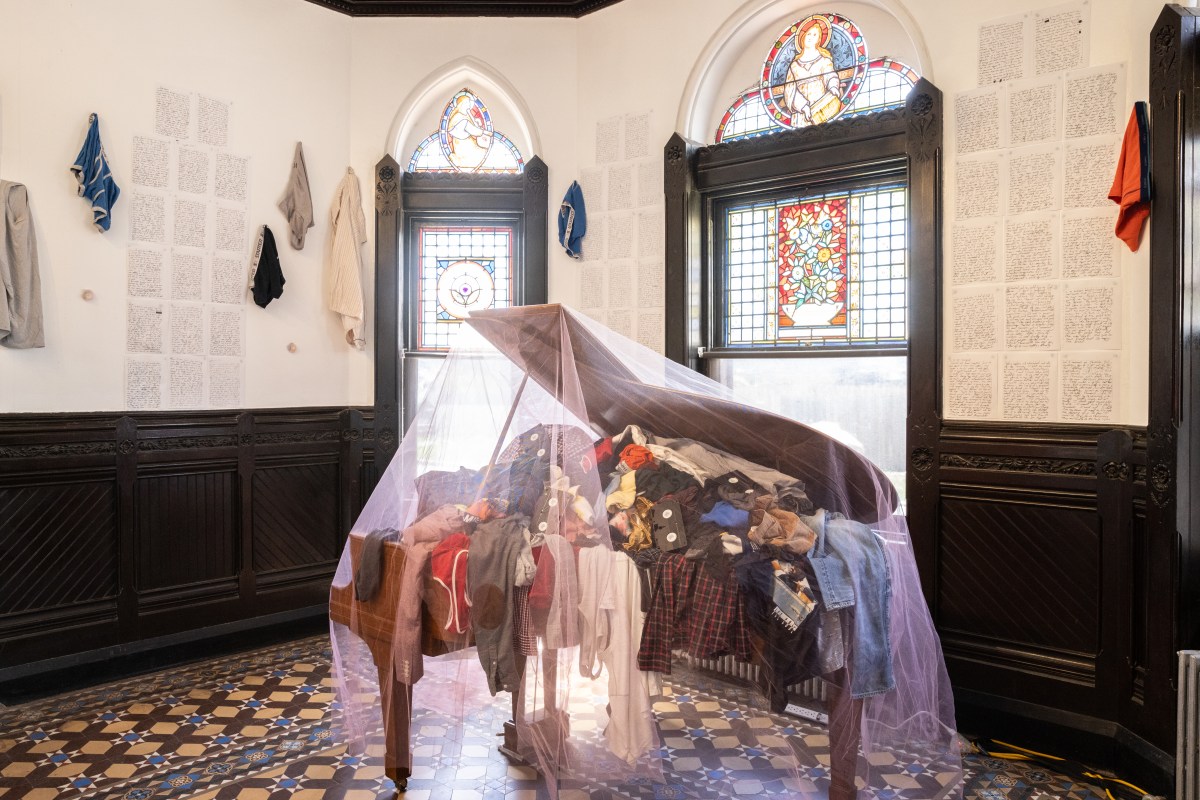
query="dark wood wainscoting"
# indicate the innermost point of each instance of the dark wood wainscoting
(1041, 581)
(120, 528)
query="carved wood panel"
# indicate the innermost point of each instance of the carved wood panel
(295, 516)
(149, 524)
(57, 545)
(186, 531)
(1020, 572)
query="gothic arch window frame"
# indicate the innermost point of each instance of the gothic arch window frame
(699, 179)
(405, 199)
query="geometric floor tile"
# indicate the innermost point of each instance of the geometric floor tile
(259, 726)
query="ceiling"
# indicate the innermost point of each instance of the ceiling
(465, 8)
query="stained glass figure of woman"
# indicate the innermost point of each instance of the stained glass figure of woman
(468, 132)
(813, 89)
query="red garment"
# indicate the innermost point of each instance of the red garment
(603, 450)
(541, 593)
(1131, 184)
(448, 565)
(636, 457)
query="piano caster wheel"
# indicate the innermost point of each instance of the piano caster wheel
(401, 785)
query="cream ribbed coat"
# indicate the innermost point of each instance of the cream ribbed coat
(345, 258)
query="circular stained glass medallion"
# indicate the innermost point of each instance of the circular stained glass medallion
(465, 286)
(814, 70)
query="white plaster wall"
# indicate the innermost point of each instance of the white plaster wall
(675, 56)
(284, 65)
(296, 71)
(527, 66)
(1120, 33)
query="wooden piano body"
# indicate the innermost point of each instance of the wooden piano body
(374, 621)
(532, 337)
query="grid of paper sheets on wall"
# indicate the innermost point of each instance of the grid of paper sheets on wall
(1034, 314)
(621, 277)
(187, 259)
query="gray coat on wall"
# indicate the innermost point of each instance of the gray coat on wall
(21, 309)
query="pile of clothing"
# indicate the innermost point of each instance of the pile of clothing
(739, 562)
(732, 556)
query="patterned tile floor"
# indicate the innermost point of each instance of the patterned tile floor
(258, 726)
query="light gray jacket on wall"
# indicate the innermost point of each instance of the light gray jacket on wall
(21, 310)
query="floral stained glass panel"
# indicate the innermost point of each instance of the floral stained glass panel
(812, 261)
(817, 271)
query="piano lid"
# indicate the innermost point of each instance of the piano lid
(622, 383)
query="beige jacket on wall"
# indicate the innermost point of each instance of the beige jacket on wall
(345, 258)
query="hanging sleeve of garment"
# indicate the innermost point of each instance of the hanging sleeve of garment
(296, 203)
(95, 179)
(21, 306)
(345, 258)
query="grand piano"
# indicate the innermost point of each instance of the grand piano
(606, 386)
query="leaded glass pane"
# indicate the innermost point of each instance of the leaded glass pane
(887, 85)
(463, 269)
(746, 118)
(466, 141)
(823, 270)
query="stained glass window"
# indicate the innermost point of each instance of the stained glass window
(816, 71)
(825, 270)
(746, 118)
(462, 269)
(466, 141)
(887, 85)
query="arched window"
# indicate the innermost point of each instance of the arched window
(466, 141)
(462, 228)
(816, 71)
(805, 286)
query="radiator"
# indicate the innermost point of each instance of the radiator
(811, 694)
(1187, 727)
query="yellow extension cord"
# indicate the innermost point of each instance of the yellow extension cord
(1024, 754)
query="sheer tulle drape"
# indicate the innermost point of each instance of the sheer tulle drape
(507, 432)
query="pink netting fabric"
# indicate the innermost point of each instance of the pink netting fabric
(567, 510)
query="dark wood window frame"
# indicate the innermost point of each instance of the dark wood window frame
(905, 142)
(403, 199)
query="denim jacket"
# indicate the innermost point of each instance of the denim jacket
(852, 572)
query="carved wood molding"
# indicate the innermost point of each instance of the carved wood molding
(186, 442)
(387, 186)
(1115, 471)
(1051, 466)
(838, 131)
(297, 437)
(464, 8)
(59, 449)
(924, 126)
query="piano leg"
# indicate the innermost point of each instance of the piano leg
(508, 746)
(845, 729)
(396, 705)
